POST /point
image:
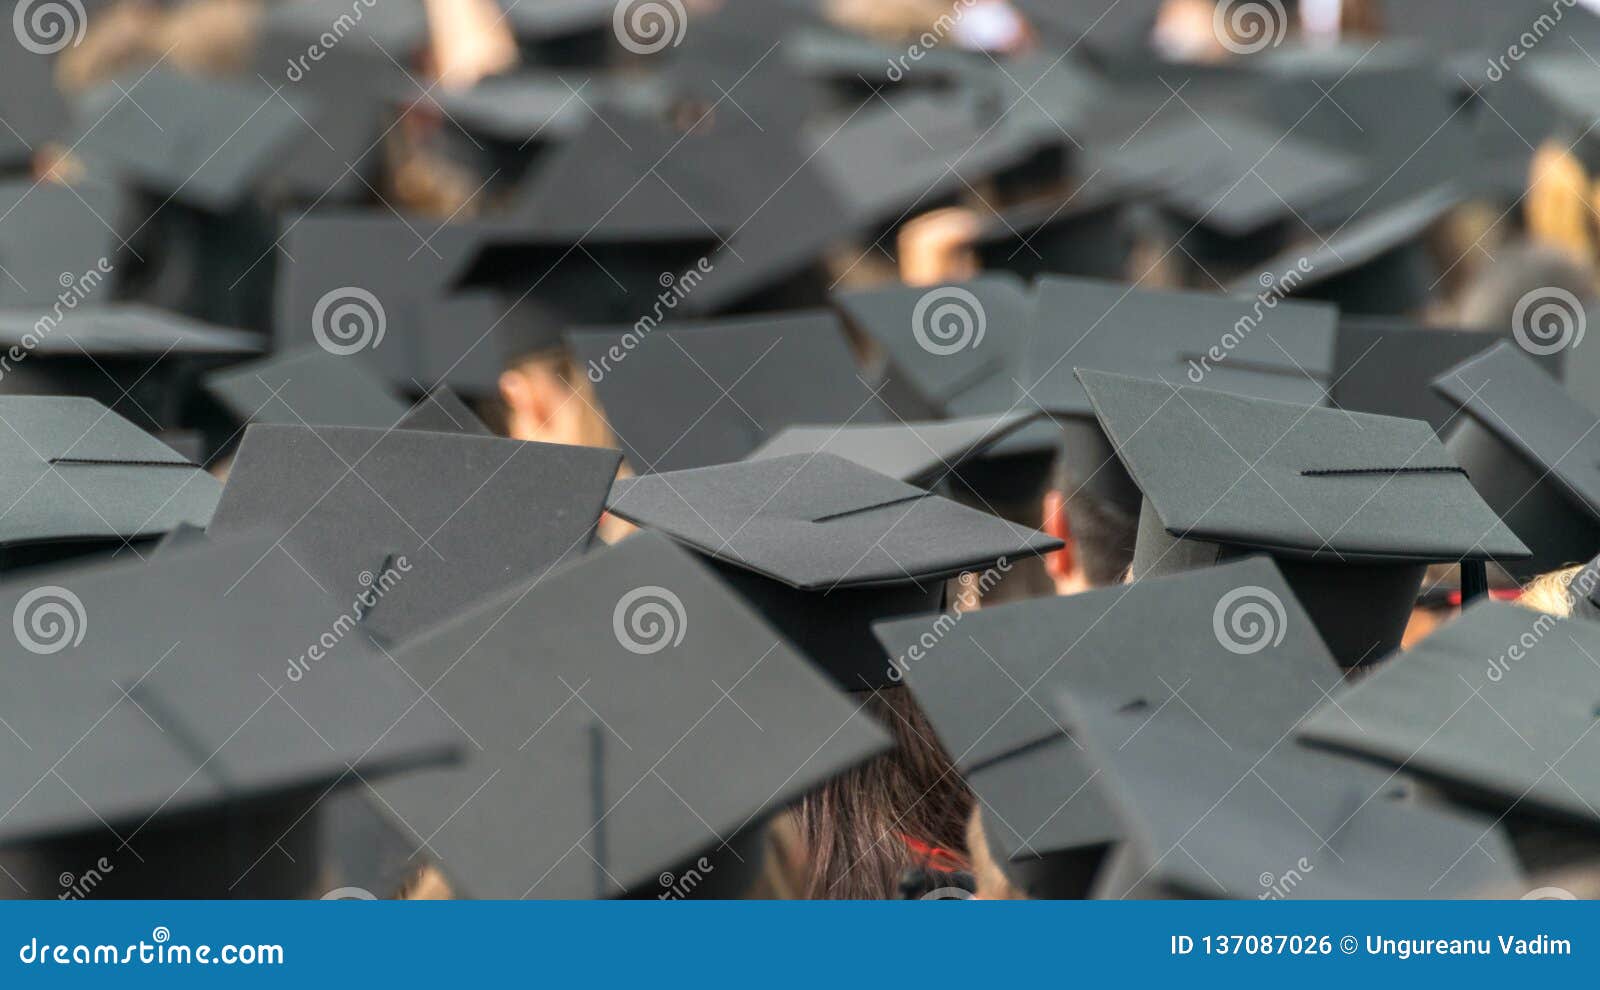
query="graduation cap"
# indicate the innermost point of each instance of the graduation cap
(79, 479)
(1353, 507)
(919, 150)
(692, 394)
(822, 546)
(57, 242)
(1378, 263)
(949, 350)
(202, 142)
(468, 515)
(442, 411)
(503, 124)
(306, 386)
(922, 453)
(1241, 189)
(1386, 366)
(388, 287)
(169, 735)
(1231, 644)
(1205, 820)
(1262, 347)
(1495, 707)
(565, 32)
(1531, 452)
(589, 777)
(1083, 233)
(140, 362)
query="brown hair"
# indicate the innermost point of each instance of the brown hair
(856, 826)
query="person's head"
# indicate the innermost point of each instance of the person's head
(992, 882)
(547, 397)
(906, 810)
(1099, 535)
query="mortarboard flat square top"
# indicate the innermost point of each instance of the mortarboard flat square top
(1510, 396)
(1132, 645)
(1365, 265)
(951, 348)
(659, 720)
(167, 695)
(1301, 482)
(818, 522)
(1202, 819)
(1533, 452)
(689, 395)
(468, 514)
(1498, 704)
(119, 330)
(921, 453)
(308, 386)
(442, 411)
(75, 471)
(1243, 345)
(203, 142)
(1234, 176)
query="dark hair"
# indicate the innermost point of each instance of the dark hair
(1103, 534)
(855, 827)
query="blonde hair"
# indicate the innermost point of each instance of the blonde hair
(1559, 207)
(993, 885)
(1551, 593)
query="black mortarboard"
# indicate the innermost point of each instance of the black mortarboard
(1203, 819)
(172, 715)
(1263, 346)
(504, 122)
(1532, 451)
(950, 349)
(1231, 644)
(1112, 27)
(442, 411)
(918, 150)
(920, 453)
(1377, 263)
(80, 478)
(1240, 190)
(57, 243)
(205, 143)
(637, 751)
(140, 362)
(575, 32)
(822, 546)
(32, 108)
(468, 514)
(1083, 233)
(1497, 706)
(1352, 506)
(1386, 367)
(693, 394)
(307, 386)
